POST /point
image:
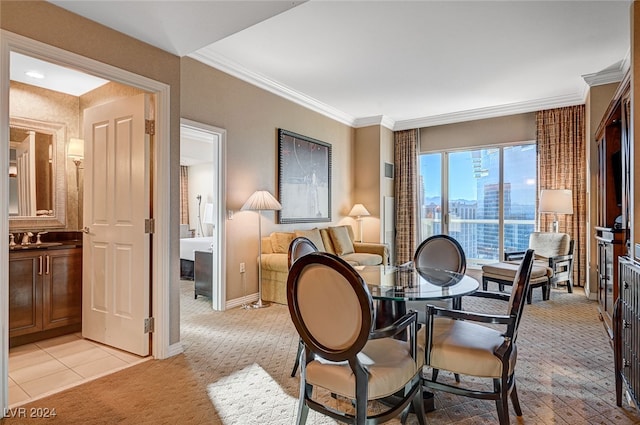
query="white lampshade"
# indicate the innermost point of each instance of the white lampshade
(358, 210)
(558, 201)
(261, 200)
(208, 214)
(76, 148)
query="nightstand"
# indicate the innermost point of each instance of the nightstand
(202, 273)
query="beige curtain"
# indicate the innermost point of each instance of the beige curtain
(406, 169)
(562, 163)
(184, 195)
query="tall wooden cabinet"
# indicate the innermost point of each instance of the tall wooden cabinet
(612, 215)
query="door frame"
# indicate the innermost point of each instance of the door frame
(219, 263)
(160, 156)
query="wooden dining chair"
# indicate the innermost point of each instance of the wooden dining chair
(441, 252)
(332, 310)
(298, 248)
(460, 342)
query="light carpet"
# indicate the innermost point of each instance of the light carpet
(236, 368)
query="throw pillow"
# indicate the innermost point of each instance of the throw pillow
(280, 242)
(342, 243)
(314, 236)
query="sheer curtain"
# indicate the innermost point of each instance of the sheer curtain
(406, 171)
(184, 195)
(562, 164)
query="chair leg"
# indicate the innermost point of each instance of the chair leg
(434, 375)
(502, 405)
(529, 296)
(297, 363)
(303, 409)
(418, 407)
(546, 292)
(484, 283)
(570, 285)
(515, 401)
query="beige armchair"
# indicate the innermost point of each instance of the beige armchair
(553, 264)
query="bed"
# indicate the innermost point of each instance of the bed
(188, 247)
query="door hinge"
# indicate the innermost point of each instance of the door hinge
(149, 225)
(149, 325)
(150, 127)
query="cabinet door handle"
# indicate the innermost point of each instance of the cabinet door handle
(48, 262)
(40, 265)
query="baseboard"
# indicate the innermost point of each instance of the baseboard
(175, 349)
(239, 302)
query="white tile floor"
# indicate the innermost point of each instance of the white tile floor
(45, 367)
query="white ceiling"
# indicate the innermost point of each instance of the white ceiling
(403, 64)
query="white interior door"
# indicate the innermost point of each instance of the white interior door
(116, 277)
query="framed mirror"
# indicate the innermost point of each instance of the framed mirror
(37, 174)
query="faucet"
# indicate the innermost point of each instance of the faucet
(26, 238)
(38, 241)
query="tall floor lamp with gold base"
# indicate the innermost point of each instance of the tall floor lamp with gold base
(261, 200)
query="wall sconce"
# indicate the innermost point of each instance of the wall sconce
(556, 201)
(13, 171)
(75, 151)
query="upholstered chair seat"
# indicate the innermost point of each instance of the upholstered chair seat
(387, 361)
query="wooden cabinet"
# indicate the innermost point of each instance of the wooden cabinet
(612, 227)
(45, 293)
(610, 247)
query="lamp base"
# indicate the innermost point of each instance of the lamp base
(259, 304)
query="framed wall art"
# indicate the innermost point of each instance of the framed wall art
(304, 179)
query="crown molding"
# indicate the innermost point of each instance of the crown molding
(376, 120)
(491, 112)
(234, 69)
(613, 74)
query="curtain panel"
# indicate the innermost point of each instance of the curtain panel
(561, 145)
(406, 171)
(184, 195)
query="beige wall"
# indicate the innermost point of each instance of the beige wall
(598, 101)
(373, 147)
(44, 22)
(251, 116)
(491, 131)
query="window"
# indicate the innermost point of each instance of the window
(485, 198)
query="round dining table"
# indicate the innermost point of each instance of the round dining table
(392, 286)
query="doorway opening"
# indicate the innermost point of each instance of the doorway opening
(159, 283)
(202, 211)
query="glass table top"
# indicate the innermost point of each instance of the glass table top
(422, 283)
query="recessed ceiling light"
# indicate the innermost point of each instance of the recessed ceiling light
(34, 74)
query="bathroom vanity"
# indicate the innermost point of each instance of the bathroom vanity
(45, 291)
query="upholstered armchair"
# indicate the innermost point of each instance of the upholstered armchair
(553, 250)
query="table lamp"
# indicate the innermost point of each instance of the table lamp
(359, 211)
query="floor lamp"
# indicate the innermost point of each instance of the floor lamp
(556, 201)
(261, 200)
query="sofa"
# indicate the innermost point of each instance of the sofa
(337, 240)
